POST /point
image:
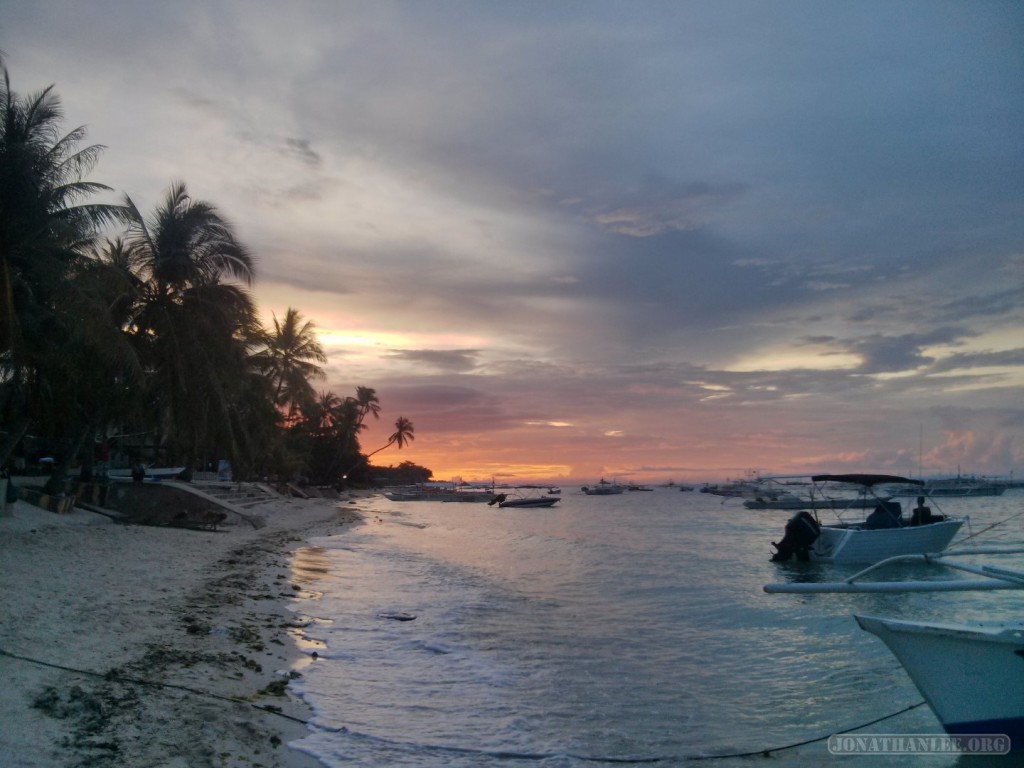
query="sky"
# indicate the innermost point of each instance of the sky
(643, 240)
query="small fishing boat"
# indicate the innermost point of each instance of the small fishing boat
(970, 673)
(523, 502)
(885, 532)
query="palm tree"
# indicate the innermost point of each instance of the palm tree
(196, 329)
(368, 402)
(402, 436)
(289, 356)
(99, 375)
(46, 227)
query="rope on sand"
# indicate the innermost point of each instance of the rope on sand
(767, 752)
(113, 677)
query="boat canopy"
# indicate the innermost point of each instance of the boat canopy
(867, 480)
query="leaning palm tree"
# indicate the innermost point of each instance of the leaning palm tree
(402, 436)
(289, 358)
(194, 326)
(47, 224)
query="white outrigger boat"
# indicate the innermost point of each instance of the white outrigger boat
(885, 532)
(970, 673)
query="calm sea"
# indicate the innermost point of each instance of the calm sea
(626, 630)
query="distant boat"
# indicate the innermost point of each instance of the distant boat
(885, 532)
(437, 493)
(520, 502)
(603, 488)
(638, 488)
(954, 487)
(736, 488)
(796, 502)
(777, 492)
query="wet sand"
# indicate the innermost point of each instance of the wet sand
(182, 640)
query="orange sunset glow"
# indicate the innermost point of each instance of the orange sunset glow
(678, 243)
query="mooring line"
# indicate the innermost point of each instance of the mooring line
(989, 527)
(112, 677)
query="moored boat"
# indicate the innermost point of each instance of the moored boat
(885, 532)
(437, 493)
(523, 502)
(603, 488)
(794, 503)
(957, 487)
(970, 673)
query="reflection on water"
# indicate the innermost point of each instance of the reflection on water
(309, 564)
(623, 627)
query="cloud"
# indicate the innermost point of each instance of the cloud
(453, 360)
(782, 235)
(692, 207)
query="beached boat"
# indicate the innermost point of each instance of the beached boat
(883, 533)
(150, 474)
(970, 673)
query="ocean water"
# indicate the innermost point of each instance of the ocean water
(626, 630)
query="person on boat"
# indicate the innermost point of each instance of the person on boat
(922, 515)
(886, 514)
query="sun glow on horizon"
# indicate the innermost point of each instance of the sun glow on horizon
(793, 360)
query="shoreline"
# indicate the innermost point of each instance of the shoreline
(183, 640)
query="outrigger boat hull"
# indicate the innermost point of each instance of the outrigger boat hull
(971, 674)
(854, 544)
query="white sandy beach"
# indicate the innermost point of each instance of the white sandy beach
(203, 610)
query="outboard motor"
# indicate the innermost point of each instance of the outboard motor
(802, 531)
